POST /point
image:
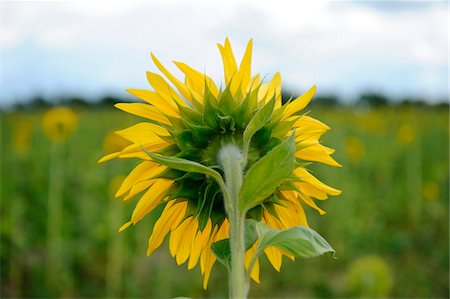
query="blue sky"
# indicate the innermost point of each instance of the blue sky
(92, 48)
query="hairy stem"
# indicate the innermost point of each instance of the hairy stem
(230, 157)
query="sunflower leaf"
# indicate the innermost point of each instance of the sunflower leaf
(300, 241)
(221, 249)
(267, 174)
(184, 165)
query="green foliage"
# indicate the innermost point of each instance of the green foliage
(185, 165)
(299, 241)
(394, 206)
(221, 249)
(267, 174)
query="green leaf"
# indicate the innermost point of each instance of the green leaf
(267, 174)
(300, 241)
(258, 121)
(221, 249)
(184, 165)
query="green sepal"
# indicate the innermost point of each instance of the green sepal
(273, 199)
(261, 117)
(227, 102)
(191, 176)
(281, 128)
(288, 185)
(270, 208)
(206, 201)
(273, 142)
(277, 114)
(170, 150)
(300, 241)
(177, 124)
(201, 135)
(267, 174)
(190, 116)
(226, 124)
(211, 113)
(187, 189)
(170, 174)
(261, 137)
(196, 105)
(256, 213)
(243, 113)
(184, 139)
(192, 154)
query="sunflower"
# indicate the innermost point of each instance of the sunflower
(193, 121)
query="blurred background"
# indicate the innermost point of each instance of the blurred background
(381, 68)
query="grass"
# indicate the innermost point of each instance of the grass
(390, 227)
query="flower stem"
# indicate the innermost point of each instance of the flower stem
(230, 157)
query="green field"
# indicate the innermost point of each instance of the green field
(390, 227)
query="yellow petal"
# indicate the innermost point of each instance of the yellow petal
(143, 110)
(125, 226)
(139, 173)
(272, 89)
(288, 217)
(245, 68)
(229, 62)
(307, 138)
(135, 151)
(294, 204)
(171, 216)
(271, 220)
(138, 188)
(310, 123)
(312, 191)
(185, 244)
(317, 153)
(210, 259)
(143, 133)
(198, 79)
(274, 256)
(150, 199)
(223, 232)
(299, 103)
(165, 107)
(164, 89)
(201, 239)
(207, 248)
(178, 84)
(305, 176)
(247, 259)
(311, 203)
(176, 235)
(253, 83)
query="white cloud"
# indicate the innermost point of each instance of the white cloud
(329, 43)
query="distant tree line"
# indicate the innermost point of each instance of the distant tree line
(366, 99)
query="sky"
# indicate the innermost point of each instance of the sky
(95, 48)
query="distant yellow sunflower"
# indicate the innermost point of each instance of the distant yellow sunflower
(193, 120)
